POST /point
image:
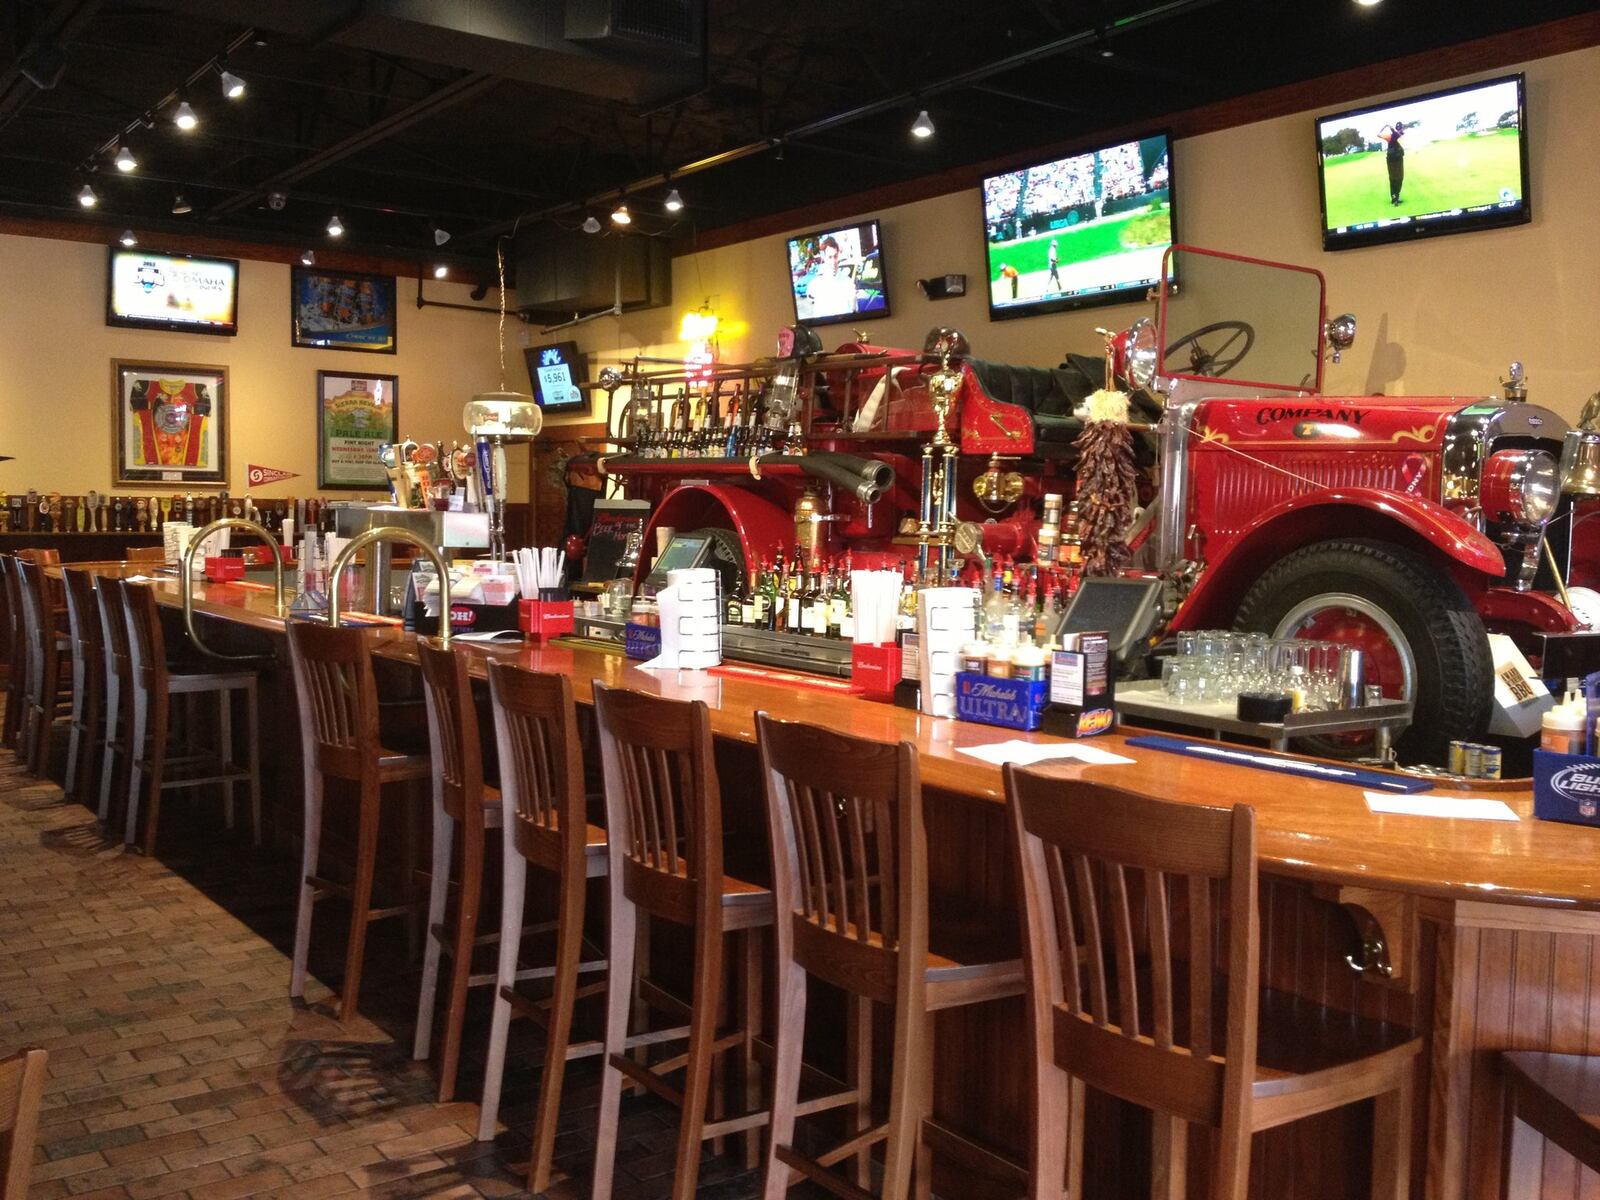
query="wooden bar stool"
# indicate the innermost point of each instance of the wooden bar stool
(850, 882)
(547, 824)
(664, 827)
(1555, 1096)
(1197, 1042)
(16, 653)
(117, 674)
(152, 767)
(338, 701)
(49, 701)
(88, 681)
(22, 1078)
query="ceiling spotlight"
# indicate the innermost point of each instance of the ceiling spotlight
(232, 85)
(181, 205)
(591, 224)
(127, 238)
(87, 198)
(335, 226)
(674, 201)
(1369, 3)
(440, 236)
(922, 127)
(308, 258)
(183, 116)
(125, 160)
(620, 215)
(440, 270)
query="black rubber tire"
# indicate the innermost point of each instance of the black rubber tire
(1454, 669)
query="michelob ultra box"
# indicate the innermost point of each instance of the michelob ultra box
(1566, 787)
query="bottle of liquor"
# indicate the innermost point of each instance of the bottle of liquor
(780, 595)
(792, 594)
(815, 603)
(770, 600)
(833, 601)
(750, 605)
(733, 608)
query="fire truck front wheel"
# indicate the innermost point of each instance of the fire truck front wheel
(1422, 639)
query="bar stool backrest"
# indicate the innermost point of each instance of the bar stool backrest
(43, 558)
(849, 847)
(1079, 843)
(663, 805)
(11, 582)
(113, 629)
(22, 1079)
(83, 614)
(452, 729)
(541, 763)
(338, 698)
(147, 644)
(37, 623)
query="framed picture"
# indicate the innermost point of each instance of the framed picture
(172, 423)
(342, 310)
(356, 414)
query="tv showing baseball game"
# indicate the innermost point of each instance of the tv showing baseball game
(1080, 231)
(1443, 162)
(146, 290)
(838, 275)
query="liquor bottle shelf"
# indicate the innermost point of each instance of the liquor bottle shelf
(790, 651)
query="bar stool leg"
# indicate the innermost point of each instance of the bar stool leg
(922, 1171)
(858, 1052)
(155, 770)
(1169, 1161)
(108, 753)
(80, 702)
(624, 930)
(788, 1045)
(512, 891)
(252, 738)
(225, 750)
(1522, 1156)
(137, 735)
(360, 897)
(697, 1070)
(444, 830)
(750, 1019)
(558, 1037)
(905, 1094)
(1391, 1141)
(310, 843)
(461, 965)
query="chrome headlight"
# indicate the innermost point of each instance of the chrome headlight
(1144, 356)
(1520, 486)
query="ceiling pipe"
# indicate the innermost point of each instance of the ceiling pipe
(1091, 36)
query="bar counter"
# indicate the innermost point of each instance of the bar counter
(1482, 935)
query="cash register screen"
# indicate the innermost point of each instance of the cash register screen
(684, 550)
(1125, 609)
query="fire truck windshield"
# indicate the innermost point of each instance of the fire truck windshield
(1241, 320)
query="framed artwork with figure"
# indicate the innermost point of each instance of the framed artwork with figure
(172, 423)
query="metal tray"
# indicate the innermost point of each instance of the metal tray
(1145, 700)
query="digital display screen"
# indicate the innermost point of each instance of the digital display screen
(556, 373)
(838, 275)
(1444, 162)
(147, 290)
(1079, 231)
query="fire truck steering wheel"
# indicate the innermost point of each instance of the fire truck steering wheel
(1229, 342)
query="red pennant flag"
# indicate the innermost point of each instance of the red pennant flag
(260, 475)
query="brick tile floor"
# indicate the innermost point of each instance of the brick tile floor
(179, 1067)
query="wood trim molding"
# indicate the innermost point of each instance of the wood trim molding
(1343, 87)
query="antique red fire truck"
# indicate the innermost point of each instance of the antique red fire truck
(1409, 527)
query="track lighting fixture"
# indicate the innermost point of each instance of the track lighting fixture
(922, 127)
(232, 85)
(308, 258)
(440, 236)
(440, 270)
(591, 224)
(335, 226)
(674, 201)
(184, 117)
(86, 197)
(181, 205)
(125, 160)
(620, 215)
(127, 239)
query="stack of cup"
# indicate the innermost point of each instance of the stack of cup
(947, 619)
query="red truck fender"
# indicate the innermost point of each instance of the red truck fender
(756, 520)
(1318, 516)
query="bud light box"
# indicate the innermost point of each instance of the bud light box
(1008, 703)
(1566, 787)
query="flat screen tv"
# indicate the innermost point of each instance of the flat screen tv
(1080, 231)
(556, 372)
(147, 290)
(838, 274)
(1442, 162)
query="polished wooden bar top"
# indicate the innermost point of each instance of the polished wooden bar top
(1309, 829)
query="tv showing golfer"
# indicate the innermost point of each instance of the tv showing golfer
(1429, 164)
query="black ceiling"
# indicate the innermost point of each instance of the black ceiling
(398, 113)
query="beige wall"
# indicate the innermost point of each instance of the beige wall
(1444, 315)
(55, 370)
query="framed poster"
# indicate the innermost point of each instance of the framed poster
(342, 310)
(356, 414)
(172, 423)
